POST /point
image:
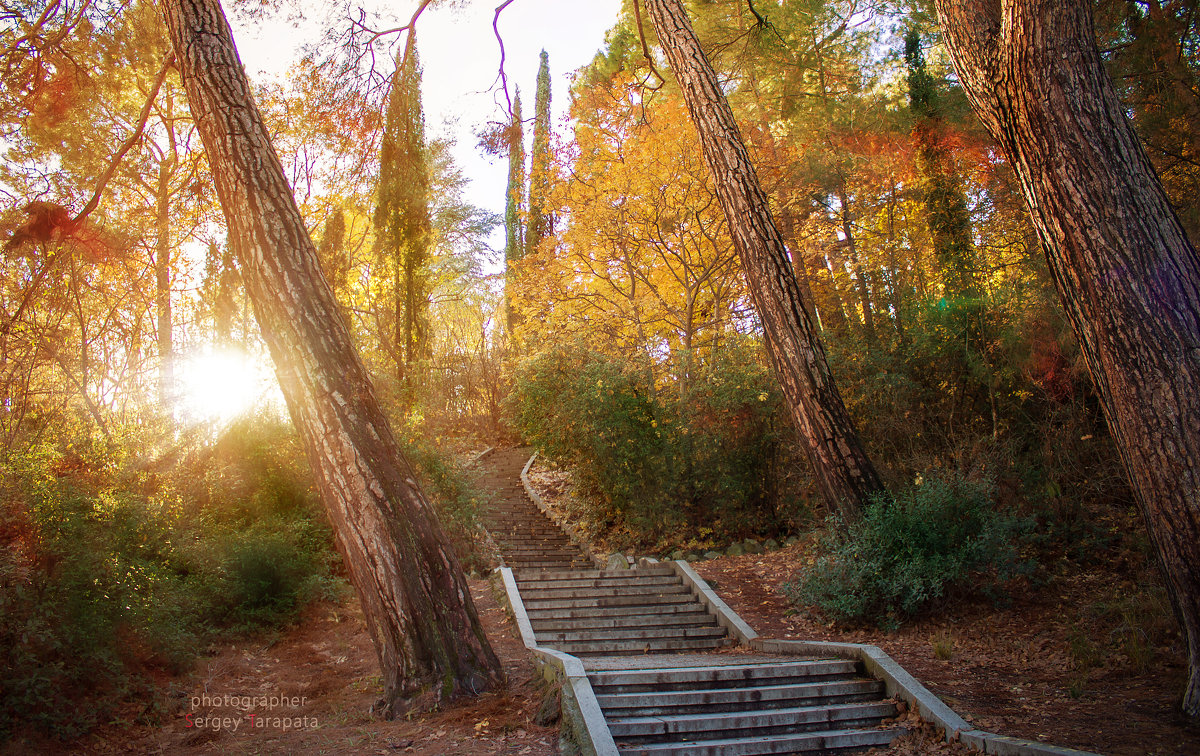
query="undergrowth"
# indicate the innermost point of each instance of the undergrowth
(114, 565)
(907, 551)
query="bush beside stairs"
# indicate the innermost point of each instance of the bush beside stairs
(658, 659)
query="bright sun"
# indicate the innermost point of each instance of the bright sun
(219, 385)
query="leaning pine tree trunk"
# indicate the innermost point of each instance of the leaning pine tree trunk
(417, 605)
(844, 472)
(1128, 276)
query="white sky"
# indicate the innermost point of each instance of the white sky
(461, 59)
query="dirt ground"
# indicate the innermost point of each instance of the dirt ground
(325, 678)
(1027, 670)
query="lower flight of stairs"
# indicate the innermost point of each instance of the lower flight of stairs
(777, 707)
(617, 612)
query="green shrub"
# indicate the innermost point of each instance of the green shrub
(598, 415)
(903, 554)
(658, 464)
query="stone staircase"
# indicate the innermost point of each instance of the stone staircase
(629, 627)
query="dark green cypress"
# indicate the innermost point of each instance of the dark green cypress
(335, 264)
(540, 223)
(514, 238)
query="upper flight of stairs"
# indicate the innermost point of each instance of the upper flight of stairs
(526, 537)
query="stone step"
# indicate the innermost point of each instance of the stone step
(751, 723)
(564, 549)
(697, 618)
(593, 574)
(614, 583)
(631, 590)
(523, 528)
(645, 603)
(556, 542)
(811, 742)
(543, 564)
(655, 703)
(629, 648)
(631, 634)
(559, 561)
(628, 613)
(527, 533)
(539, 549)
(719, 676)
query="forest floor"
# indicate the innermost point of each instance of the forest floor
(325, 666)
(1083, 662)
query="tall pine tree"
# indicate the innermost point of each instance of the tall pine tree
(415, 600)
(540, 223)
(402, 219)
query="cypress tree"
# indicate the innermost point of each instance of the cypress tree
(402, 218)
(540, 223)
(514, 239)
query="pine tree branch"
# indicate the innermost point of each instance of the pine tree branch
(133, 139)
(637, 14)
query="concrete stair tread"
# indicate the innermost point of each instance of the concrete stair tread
(545, 594)
(714, 721)
(855, 689)
(596, 573)
(630, 634)
(603, 583)
(647, 646)
(724, 674)
(624, 612)
(648, 600)
(809, 742)
(697, 618)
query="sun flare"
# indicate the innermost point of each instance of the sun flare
(219, 385)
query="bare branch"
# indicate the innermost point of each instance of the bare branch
(374, 36)
(501, 76)
(761, 22)
(637, 14)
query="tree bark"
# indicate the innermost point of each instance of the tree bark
(1128, 276)
(417, 604)
(844, 472)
